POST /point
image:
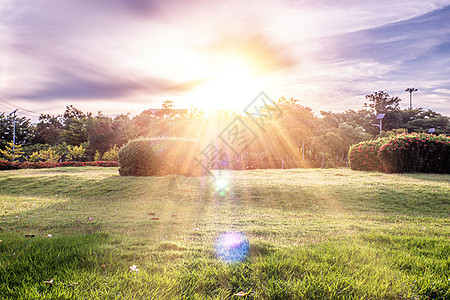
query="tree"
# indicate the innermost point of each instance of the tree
(382, 103)
(76, 152)
(23, 130)
(167, 105)
(48, 130)
(74, 130)
(100, 133)
(12, 152)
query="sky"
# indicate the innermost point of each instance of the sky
(126, 56)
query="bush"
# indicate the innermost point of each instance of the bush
(5, 165)
(424, 153)
(364, 156)
(160, 157)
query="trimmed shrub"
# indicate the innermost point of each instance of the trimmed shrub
(364, 156)
(424, 153)
(161, 157)
(5, 165)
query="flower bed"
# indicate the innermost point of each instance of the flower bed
(5, 165)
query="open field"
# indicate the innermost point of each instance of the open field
(313, 234)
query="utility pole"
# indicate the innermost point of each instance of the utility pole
(410, 90)
(14, 133)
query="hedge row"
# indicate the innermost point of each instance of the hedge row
(405, 153)
(161, 157)
(6, 165)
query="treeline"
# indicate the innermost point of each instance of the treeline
(295, 137)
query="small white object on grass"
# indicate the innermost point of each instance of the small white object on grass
(134, 268)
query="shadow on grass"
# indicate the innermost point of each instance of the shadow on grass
(427, 177)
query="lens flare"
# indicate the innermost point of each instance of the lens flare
(232, 247)
(221, 186)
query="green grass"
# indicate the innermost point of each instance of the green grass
(314, 234)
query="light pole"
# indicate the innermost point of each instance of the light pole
(380, 117)
(14, 133)
(410, 90)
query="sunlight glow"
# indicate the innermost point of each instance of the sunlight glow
(231, 83)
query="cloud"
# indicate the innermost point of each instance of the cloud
(84, 84)
(328, 53)
(442, 91)
(266, 56)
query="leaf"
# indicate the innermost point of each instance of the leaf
(72, 284)
(241, 294)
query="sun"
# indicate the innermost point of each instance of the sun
(231, 83)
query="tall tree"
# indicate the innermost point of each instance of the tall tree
(74, 131)
(382, 103)
(48, 130)
(23, 130)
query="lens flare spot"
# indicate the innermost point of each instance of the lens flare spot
(232, 247)
(221, 184)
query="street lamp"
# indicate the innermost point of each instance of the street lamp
(14, 133)
(410, 90)
(380, 117)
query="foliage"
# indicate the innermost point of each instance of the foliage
(160, 157)
(49, 155)
(75, 152)
(12, 152)
(167, 105)
(364, 156)
(293, 137)
(381, 102)
(48, 130)
(403, 153)
(74, 132)
(101, 133)
(23, 130)
(4, 165)
(35, 156)
(112, 154)
(423, 153)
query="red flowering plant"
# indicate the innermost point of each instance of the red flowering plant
(6, 165)
(416, 152)
(364, 157)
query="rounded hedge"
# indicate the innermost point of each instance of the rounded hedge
(161, 157)
(405, 153)
(423, 153)
(364, 155)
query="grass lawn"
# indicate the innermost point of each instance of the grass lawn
(313, 234)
